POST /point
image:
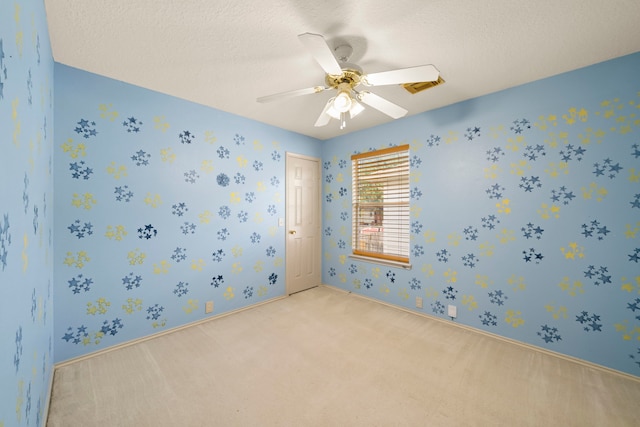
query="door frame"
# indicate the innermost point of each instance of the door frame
(288, 156)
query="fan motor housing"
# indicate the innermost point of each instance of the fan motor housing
(349, 76)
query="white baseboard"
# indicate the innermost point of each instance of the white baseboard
(161, 333)
(495, 336)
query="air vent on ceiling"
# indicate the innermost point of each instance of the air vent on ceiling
(420, 86)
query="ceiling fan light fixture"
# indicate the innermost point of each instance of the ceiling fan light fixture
(342, 102)
(356, 109)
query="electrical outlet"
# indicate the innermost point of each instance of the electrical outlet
(452, 311)
(208, 307)
(418, 302)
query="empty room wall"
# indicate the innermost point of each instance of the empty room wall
(26, 213)
(525, 213)
(161, 205)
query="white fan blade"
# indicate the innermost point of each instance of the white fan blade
(321, 52)
(422, 73)
(324, 117)
(382, 105)
(291, 94)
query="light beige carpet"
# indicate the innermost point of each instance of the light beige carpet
(327, 358)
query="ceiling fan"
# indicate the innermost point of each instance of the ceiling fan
(346, 79)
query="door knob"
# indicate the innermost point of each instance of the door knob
(292, 231)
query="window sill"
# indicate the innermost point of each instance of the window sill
(397, 264)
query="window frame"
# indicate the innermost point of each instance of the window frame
(387, 207)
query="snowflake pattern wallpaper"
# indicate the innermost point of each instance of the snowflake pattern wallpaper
(26, 214)
(161, 205)
(525, 214)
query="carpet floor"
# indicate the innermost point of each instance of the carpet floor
(328, 358)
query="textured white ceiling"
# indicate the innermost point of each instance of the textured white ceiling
(226, 53)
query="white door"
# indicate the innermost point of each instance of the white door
(303, 218)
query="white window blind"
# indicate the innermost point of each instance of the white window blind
(380, 221)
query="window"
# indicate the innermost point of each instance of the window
(380, 227)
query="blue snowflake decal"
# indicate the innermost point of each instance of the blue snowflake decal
(273, 279)
(533, 152)
(258, 165)
(5, 240)
(250, 197)
(520, 126)
(224, 212)
(270, 251)
(608, 168)
(154, 312)
(490, 221)
(470, 233)
(433, 141)
(594, 229)
(549, 334)
(590, 322)
(563, 195)
(218, 255)
(415, 284)
(216, 281)
(529, 183)
(179, 209)
(488, 319)
(328, 178)
(123, 194)
(599, 275)
(238, 139)
(192, 176)
(223, 234)
(239, 178)
(18, 354)
(131, 281)
(186, 137)
(470, 260)
(147, 232)
(368, 283)
(80, 229)
(274, 181)
(86, 128)
(497, 297)
(494, 154)
(275, 156)
(450, 292)
(182, 288)
(179, 254)
(222, 180)
(223, 152)
(531, 230)
(353, 269)
(572, 152)
(80, 170)
(141, 158)
(417, 250)
(633, 306)
(472, 133)
(243, 216)
(437, 307)
(531, 255)
(443, 255)
(255, 237)
(495, 191)
(415, 193)
(634, 256)
(80, 284)
(636, 201)
(111, 328)
(248, 292)
(76, 337)
(271, 210)
(132, 125)
(188, 228)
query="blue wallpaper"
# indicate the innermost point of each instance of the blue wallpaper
(161, 205)
(26, 221)
(525, 209)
